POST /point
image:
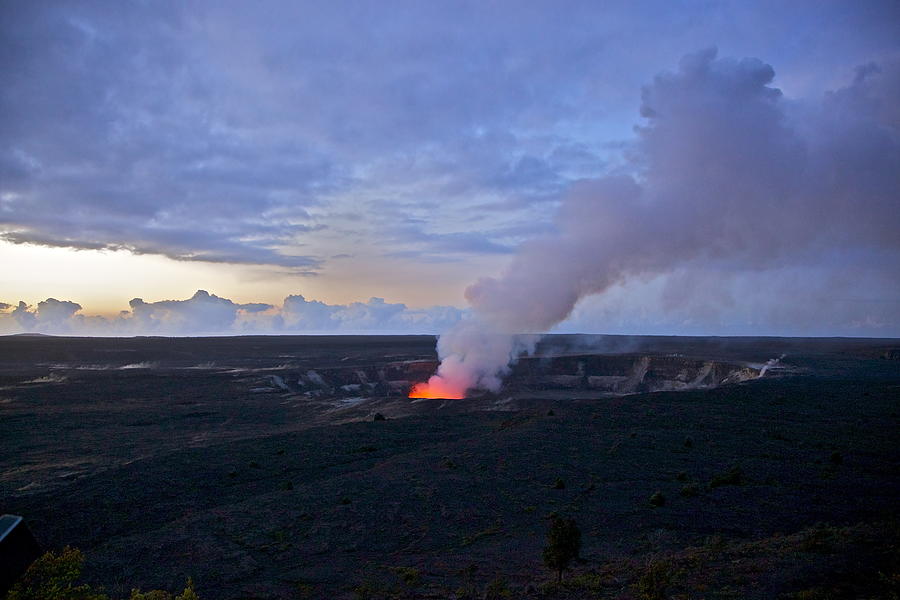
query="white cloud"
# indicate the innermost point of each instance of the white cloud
(208, 314)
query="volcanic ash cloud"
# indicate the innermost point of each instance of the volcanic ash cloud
(727, 174)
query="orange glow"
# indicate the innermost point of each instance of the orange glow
(437, 388)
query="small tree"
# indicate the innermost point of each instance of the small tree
(563, 545)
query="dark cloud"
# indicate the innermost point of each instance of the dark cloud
(226, 133)
(115, 136)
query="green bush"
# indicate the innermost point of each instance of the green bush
(55, 577)
(187, 594)
(154, 595)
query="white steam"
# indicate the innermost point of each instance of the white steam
(772, 362)
(727, 175)
(475, 356)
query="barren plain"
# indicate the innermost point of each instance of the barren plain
(261, 466)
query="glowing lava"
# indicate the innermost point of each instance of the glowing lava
(437, 387)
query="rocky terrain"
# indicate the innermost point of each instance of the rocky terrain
(261, 466)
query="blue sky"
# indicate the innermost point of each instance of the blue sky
(402, 150)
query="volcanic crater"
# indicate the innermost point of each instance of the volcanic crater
(260, 466)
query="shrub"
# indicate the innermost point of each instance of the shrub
(378, 417)
(563, 545)
(408, 575)
(153, 595)
(690, 490)
(816, 593)
(657, 499)
(370, 590)
(187, 594)
(733, 476)
(54, 577)
(654, 580)
(468, 589)
(559, 484)
(497, 590)
(891, 584)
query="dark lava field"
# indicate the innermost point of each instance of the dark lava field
(693, 467)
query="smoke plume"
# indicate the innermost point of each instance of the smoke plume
(726, 174)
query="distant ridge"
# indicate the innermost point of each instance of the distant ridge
(29, 335)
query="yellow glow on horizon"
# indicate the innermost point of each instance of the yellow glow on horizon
(103, 282)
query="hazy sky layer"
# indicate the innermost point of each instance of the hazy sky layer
(402, 150)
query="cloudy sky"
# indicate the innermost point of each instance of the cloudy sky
(707, 167)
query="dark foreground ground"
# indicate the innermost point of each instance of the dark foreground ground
(254, 466)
